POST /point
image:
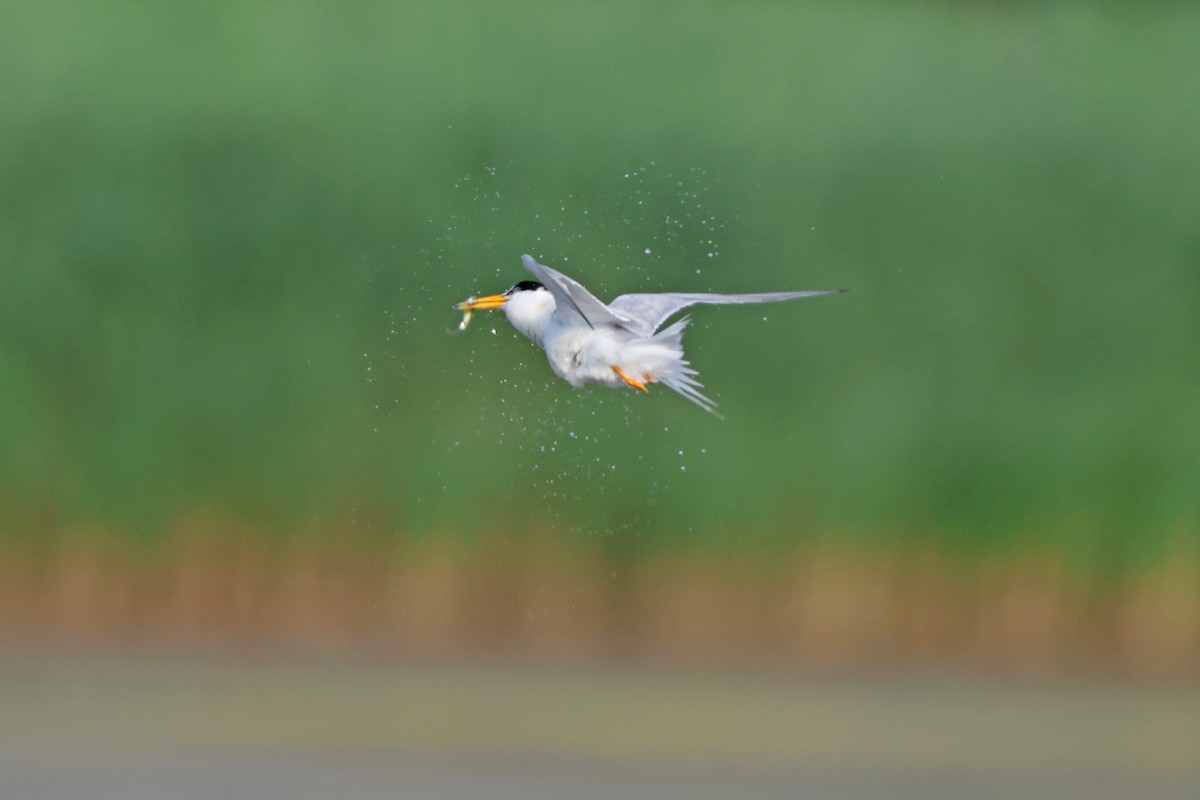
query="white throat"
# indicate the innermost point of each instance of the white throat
(530, 313)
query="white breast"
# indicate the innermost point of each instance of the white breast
(585, 355)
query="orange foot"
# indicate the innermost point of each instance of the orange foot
(641, 387)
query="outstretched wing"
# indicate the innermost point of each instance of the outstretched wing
(574, 304)
(645, 312)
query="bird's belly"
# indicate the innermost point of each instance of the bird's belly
(587, 355)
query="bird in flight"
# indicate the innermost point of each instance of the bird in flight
(614, 345)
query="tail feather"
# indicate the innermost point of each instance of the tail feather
(678, 374)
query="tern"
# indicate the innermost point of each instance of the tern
(614, 345)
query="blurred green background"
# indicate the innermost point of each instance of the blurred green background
(231, 236)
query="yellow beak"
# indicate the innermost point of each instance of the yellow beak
(482, 303)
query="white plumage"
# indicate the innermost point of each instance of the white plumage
(614, 345)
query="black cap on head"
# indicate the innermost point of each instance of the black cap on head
(525, 286)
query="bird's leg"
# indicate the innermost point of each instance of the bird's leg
(636, 384)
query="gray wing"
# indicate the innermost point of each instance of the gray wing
(646, 312)
(574, 304)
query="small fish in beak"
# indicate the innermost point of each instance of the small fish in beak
(473, 304)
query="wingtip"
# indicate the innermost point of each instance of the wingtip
(532, 266)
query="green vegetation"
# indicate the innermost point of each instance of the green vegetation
(231, 236)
